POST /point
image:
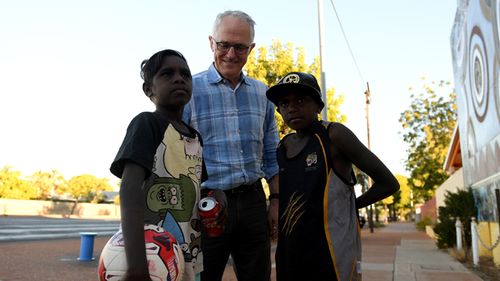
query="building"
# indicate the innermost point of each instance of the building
(475, 45)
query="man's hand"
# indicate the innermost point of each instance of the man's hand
(272, 212)
(272, 217)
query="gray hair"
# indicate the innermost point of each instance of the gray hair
(239, 15)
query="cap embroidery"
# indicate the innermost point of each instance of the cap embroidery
(291, 78)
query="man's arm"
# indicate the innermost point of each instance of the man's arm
(271, 169)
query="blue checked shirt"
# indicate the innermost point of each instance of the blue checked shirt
(237, 127)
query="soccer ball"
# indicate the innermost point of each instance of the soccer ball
(164, 255)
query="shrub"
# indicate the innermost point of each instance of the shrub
(423, 222)
(457, 205)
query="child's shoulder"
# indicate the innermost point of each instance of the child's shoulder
(145, 115)
(153, 115)
(340, 133)
(149, 118)
(285, 139)
(334, 126)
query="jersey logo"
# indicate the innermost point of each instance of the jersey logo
(293, 212)
(311, 159)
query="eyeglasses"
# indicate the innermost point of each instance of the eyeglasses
(224, 47)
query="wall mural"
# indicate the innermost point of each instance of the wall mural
(475, 44)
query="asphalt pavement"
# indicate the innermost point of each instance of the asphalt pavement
(24, 228)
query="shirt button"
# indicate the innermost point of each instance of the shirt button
(241, 151)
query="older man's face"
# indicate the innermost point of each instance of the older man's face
(231, 45)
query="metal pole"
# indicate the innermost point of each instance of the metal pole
(324, 112)
(411, 205)
(497, 194)
(367, 110)
(458, 227)
(475, 246)
(367, 99)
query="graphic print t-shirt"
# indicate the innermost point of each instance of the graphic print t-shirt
(173, 162)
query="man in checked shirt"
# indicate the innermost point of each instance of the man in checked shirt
(236, 121)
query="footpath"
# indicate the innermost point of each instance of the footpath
(397, 252)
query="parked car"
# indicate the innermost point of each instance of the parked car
(362, 221)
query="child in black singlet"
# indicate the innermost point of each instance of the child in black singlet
(319, 234)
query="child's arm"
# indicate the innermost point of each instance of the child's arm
(132, 217)
(349, 149)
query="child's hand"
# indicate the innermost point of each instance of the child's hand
(214, 222)
(220, 196)
(132, 275)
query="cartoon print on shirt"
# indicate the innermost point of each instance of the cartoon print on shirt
(195, 245)
(173, 194)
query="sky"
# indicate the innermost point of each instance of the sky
(69, 69)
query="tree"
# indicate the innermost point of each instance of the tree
(47, 184)
(86, 187)
(270, 64)
(12, 186)
(402, 196)
(427, 129)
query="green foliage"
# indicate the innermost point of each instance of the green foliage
(421, 224)
(461, 205)
(270, 64)
(12, 186)
(50, 185)
(402, 197)
(47, 184)
(87, 187)
(427, 129)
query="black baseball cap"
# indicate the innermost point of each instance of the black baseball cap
(305, 83)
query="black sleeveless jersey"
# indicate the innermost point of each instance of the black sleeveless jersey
(318, 231)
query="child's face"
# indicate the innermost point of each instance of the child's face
(171, 86)
(298, 110)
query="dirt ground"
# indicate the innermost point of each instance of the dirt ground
(487, 269)
(55, 260)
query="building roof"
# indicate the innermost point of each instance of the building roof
(453, 159)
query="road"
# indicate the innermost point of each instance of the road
(42, 228)
(39, 242)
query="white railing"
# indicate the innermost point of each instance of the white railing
(474, 241)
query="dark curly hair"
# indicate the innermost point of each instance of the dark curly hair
(151, 66)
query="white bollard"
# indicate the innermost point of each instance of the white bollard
(475, 249)
(458, 227)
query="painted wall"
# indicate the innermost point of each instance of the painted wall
(452, 184)
(475, 48)
(475, 45)
(11, 207)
